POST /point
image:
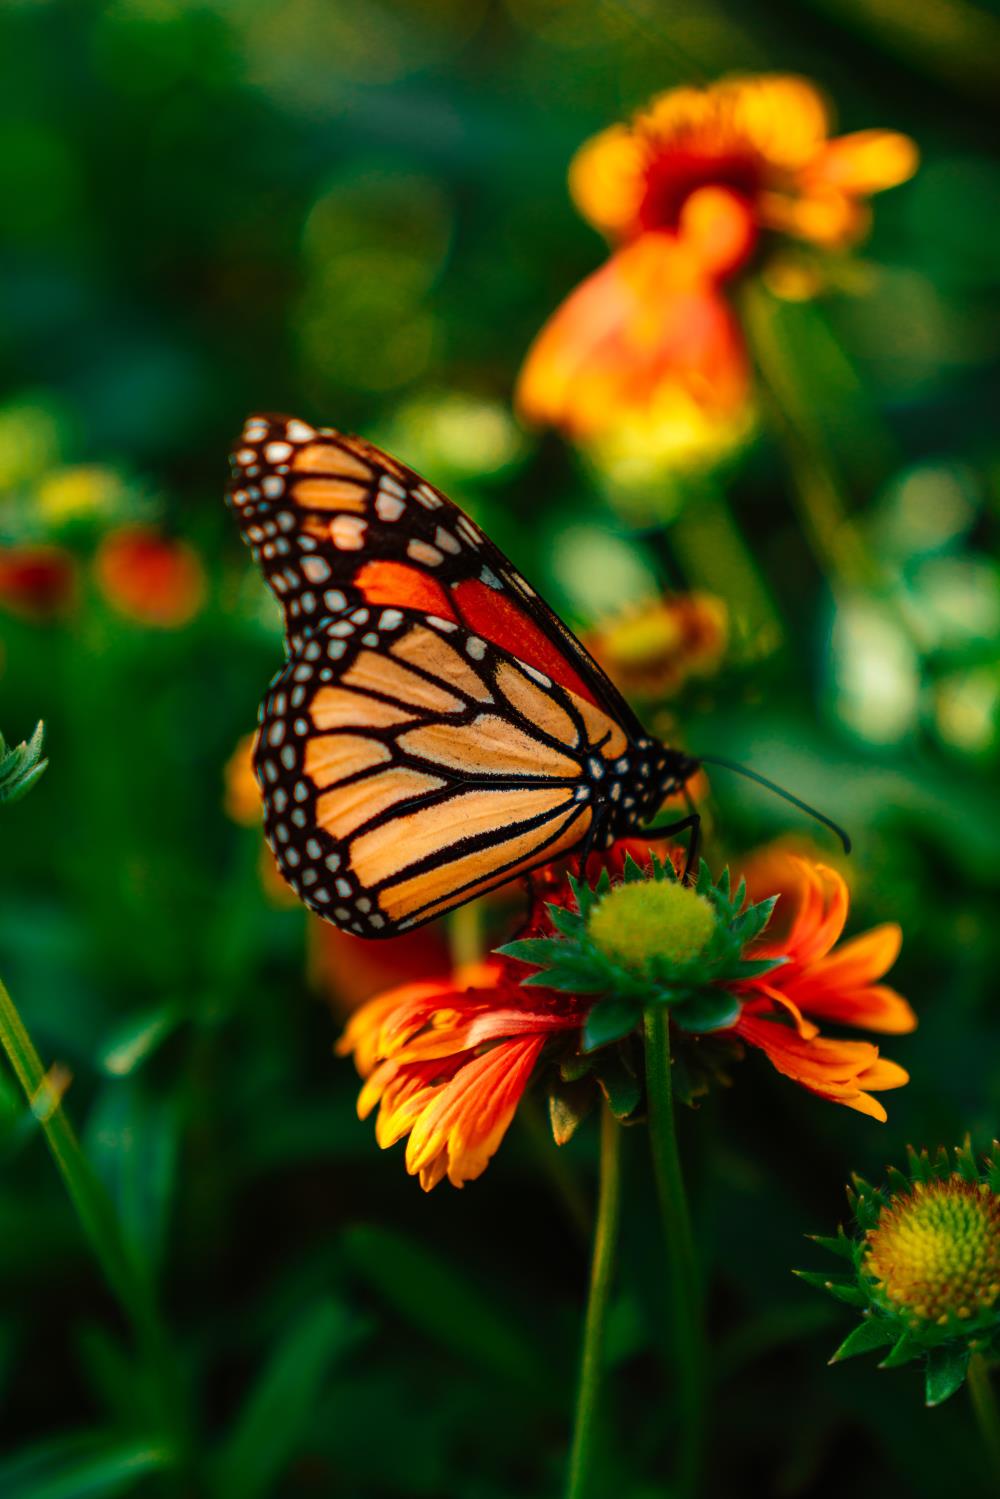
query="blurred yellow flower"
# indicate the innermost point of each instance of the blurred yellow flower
(698, 187)
(78, 493)
(651, 649)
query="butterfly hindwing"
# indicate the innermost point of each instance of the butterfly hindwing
(436, 729)
(409, 765)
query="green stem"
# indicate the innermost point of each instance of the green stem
(683, 1273)
(95, 1212)
(984, 1403)
(832, 534)
(585, 1427)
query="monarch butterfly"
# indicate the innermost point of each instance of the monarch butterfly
(436, 729)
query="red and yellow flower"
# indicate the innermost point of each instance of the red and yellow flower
(653, 648)
(446, 1061)
(695, 189)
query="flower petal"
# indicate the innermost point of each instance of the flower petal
(836, 1070)
(649, 323)
(607, 179)
(865, 162)
(460, 1130)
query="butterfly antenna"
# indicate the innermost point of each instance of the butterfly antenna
(787, 796)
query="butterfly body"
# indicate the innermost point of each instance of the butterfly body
(436, 729)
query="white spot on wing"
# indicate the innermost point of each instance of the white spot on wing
(422, 551)
(347, 532)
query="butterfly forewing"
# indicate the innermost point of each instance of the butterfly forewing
(436, 729)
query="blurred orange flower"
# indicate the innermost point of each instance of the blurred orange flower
(242, 794)
(37, 582)
(349, 970)
(651, 649)
(695, 188)
(150, 578)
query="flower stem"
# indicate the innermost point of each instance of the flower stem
(585, 1428)
(95, 1212)
(984, 1403)
(683, 1274)
(835, 539)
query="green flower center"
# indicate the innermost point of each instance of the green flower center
(655, 919)
(935, 1253)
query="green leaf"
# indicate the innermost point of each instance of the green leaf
(571, 1069)
(619, 1082)
(569, 1105)
(20, 768)
(840, 1286)
(711, 1011)
(865, 1338)
(81, 1467)
(905, 1348)
(946, 1370)
(437, 1297)
(132, 1140)
(567, 922)
(840, 1245)
(138, 1038)
(535, 950)
(276, 1414)
(611, 1020)
(570, 977)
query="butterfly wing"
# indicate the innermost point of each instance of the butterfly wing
(436, 729)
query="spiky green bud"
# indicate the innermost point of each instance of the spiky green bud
(924, 1266)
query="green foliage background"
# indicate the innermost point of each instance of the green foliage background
(358, 212)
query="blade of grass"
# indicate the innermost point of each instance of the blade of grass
(95, 1212)
(438, 1298)
(276, 1415)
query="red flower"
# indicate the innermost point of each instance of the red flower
(37, 582)
(149, 578)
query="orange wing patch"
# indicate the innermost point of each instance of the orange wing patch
(333, 757)
(374, 673)
(489, 746)
(432, 893)
(333, 459)
(331, 494)
(387, 850)
(340, 812)
(423, 648)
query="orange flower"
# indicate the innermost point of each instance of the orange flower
(447, 1062)
(149, 578)
(651, 649)
(649, 340)
(699, 185)
(37, 582)
(839, 986)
